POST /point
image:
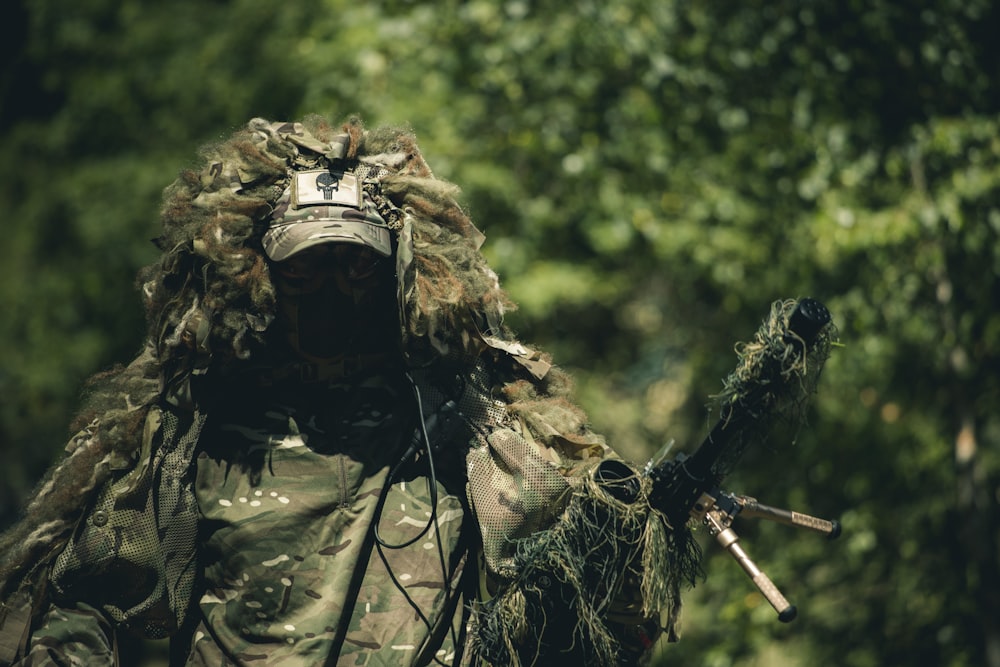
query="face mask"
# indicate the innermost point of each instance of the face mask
(335, 300)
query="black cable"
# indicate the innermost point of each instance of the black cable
(421, 439)
(413, 605)
(374, 539)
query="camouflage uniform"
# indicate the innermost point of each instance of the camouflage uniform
(287, 527)
(287, 484)
(283, 517)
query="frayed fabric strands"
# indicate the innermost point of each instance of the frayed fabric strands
(209, 298)
(606, 565)
(773, 380)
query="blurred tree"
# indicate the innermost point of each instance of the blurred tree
(651, 175)
(103, 103)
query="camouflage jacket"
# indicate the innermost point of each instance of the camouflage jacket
(292, 527)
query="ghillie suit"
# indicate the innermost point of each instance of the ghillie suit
(571, 569)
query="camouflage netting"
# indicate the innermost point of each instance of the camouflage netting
(773, 380)
(578, 590)
(106, 438)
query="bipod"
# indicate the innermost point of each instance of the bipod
(717, 509)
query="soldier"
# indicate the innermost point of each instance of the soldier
(331, 449)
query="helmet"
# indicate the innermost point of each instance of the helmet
(322, 206)
(278, 199)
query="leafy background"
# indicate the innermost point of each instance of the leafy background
(651, 175)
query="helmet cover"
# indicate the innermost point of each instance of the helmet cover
(324, 206)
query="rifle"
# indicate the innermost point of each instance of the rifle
(778, 372)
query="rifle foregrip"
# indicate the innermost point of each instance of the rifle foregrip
(730, 542)
(786, 611)
(830, 528)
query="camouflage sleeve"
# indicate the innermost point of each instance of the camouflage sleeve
(572, 562)
(73, 635)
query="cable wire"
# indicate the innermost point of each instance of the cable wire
(421, 440)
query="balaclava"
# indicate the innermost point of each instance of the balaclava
(332, 264)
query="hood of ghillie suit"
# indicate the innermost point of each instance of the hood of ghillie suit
(210, 299)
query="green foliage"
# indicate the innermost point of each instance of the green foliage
(651, 175)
